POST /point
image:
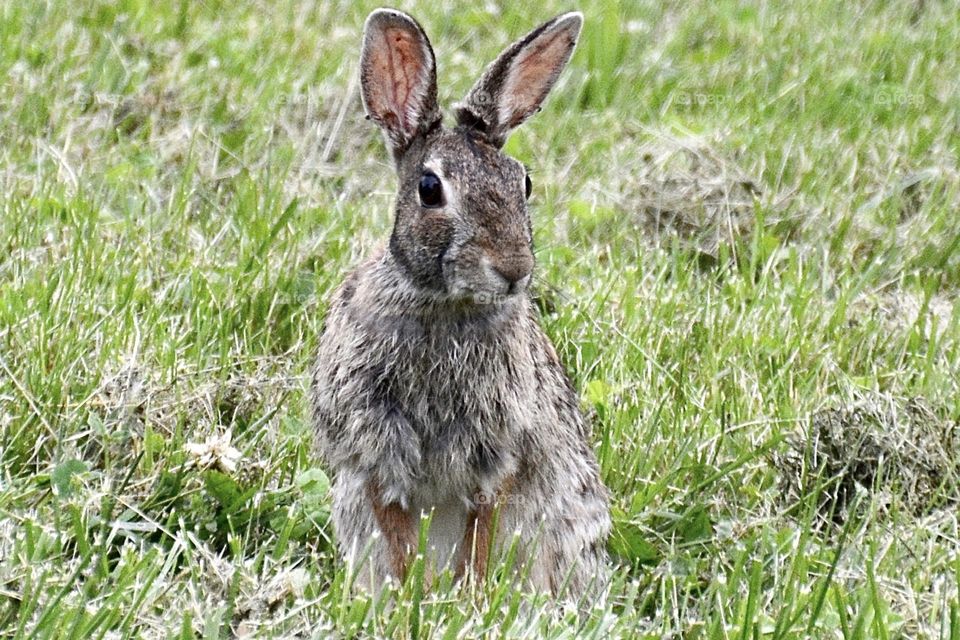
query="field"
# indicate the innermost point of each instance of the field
(748, 257)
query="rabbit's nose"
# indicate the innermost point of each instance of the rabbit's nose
(513, 270)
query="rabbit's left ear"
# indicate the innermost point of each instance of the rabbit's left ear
(515, 85)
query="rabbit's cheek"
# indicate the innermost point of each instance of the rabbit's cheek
(448, 269)
(435, 232)
(461, 264)
(457, 277)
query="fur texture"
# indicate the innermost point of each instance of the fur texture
(435, 389)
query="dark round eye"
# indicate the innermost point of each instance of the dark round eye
(529, 185)
(431, 191)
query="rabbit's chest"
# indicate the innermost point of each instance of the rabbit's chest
(469, 405)
(449, 395)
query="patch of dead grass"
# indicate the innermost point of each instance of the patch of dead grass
(894, 452)
(686, 188)
(899, 310)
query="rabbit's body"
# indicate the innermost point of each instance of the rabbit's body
(436, 391)
(462, 399)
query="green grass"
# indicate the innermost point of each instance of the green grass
(183, 184)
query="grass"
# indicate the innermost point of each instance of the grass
(745, 216)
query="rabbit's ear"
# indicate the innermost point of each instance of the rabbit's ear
(514, 86)
(398, 78)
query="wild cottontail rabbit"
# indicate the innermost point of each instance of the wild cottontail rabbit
(435, 389)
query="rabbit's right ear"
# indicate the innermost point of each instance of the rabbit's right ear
(398, 78)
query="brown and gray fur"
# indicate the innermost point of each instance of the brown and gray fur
(435, 389)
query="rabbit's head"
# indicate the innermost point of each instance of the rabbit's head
(462, 229)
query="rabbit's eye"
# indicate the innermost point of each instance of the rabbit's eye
(529, 185)
(431, 191)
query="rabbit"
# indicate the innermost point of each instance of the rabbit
(435, 390)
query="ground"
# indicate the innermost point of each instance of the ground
(748, 257)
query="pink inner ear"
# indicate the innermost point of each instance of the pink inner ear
(532, 74)
(399, 63)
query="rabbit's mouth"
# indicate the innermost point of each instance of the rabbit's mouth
(488, 298)
(485, 283)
